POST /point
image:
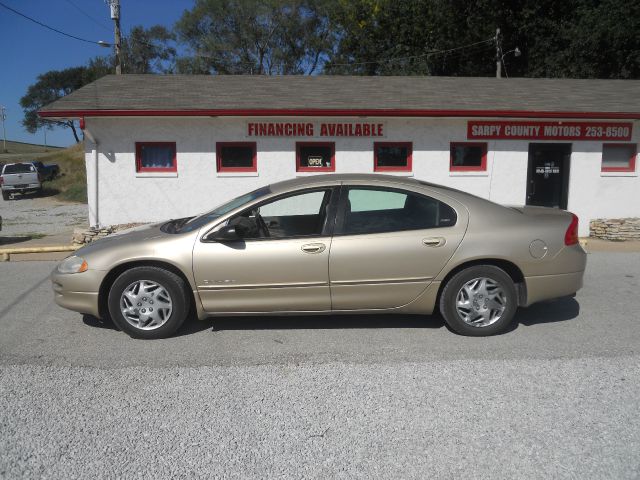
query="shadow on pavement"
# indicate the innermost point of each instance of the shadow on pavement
(12, 240)
(190, 326)
(327, 322)
(559, 310)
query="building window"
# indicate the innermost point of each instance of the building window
(392, 157)
(468, 157)
(619, 157)
(156, 157)
(315, 157)
(236, 157)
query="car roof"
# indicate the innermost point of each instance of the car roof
(311, 180)
(374, 178)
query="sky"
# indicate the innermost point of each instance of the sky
(29, 49)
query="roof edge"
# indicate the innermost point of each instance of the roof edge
(335, 113)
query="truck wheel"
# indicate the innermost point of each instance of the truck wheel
(5, 195)
(479, 301)
(148, 302)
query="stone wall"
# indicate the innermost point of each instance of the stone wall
(616, 229)
(82, 236)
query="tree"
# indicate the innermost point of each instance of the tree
(51, 86)
(148, 51)
(255, 36)
(572, 38)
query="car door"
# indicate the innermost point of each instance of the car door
(388, 246)
(280, 266)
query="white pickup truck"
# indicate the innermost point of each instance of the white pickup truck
(19, 178)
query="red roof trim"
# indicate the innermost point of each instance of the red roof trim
(334, 113)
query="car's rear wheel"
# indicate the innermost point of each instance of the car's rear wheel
(148, 302)
(6, 195)
(479, 301)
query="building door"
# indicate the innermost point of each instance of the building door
(548, 174)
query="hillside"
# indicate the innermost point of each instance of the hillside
(71, 184)
(21, 148)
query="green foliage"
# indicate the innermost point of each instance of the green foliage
(148, 50)
(71, 183)
(51, 86)
(256, 36)
(571, 38)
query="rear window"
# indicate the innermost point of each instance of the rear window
(19, 168)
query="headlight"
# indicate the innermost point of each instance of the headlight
(73, 264)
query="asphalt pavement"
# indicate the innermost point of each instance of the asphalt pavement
(324, 397)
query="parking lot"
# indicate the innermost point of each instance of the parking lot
(38, 217)
(324, 397)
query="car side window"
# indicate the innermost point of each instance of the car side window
(376, 210)
(297, 215)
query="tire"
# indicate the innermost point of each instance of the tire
(5, 196)
(166, 318)
(491, 305)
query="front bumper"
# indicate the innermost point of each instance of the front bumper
(78, 291)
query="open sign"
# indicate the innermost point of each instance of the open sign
(314, 161)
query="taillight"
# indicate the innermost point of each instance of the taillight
(1, 180)
(571, 236)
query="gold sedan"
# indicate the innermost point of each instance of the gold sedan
(331, 244)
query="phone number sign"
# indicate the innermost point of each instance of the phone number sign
(505, 130)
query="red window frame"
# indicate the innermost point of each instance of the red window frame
(300, 168)
(407, 168)
(632, 160)
(140, 168)
(221, 168)
(483, 162)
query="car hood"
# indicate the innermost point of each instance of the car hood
(138, 244)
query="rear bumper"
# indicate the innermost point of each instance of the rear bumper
(546, 287)
(29, 188)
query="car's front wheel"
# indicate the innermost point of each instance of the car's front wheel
(479, 301)
(148, 302)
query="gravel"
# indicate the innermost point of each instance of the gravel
(324, 397)
(41, 215)
(459, 419)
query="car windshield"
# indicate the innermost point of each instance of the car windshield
(19, 168)
(197, 222)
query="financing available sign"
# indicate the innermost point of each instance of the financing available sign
(315, 129)
(517, 130)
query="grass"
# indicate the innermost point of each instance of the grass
(71, 184)
(26, 148)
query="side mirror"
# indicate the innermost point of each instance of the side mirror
(228, 233)
(240, 228)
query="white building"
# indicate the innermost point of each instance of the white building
(160, 147)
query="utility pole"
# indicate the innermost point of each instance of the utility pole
(4, 132)
(498, 40)
(114, 6)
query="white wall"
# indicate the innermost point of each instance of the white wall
(126, 196)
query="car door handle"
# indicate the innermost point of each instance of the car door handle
(434, 241)
(313, 248)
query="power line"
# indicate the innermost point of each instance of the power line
(47, 26)
(93, 19)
